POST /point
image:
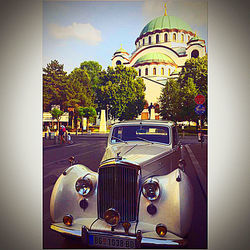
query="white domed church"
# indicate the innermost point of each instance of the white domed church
(162, 48)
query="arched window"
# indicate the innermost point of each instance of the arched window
(118, 62)
(139, 72)
(166, 37)
(174, 37)
(149, 40)
(143, 41)
(162, 71)
(154, 71)
(169, 72)
(182, 38)
(195, 53)
(157, 38)
(146, 71)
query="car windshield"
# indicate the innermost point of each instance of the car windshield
(147, 133)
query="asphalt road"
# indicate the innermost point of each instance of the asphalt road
(89, 151)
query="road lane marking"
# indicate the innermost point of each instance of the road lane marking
(65, 159)
(199, 172)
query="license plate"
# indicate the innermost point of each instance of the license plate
(111, 242)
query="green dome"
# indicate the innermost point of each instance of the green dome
(195, 38)
(121, 50)
(155, 57)
(166, 22)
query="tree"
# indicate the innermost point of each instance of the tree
(122, 92)
(170, 101)
(56, 114)
(177, 97)
(188, 93)
(78, 91)
(196, 69)
(54, 80)
(88, 112)
(93, 69)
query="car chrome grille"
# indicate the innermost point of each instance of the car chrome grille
(118, 188)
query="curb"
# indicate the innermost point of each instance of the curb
(199, 172)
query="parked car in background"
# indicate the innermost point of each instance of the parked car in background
(140, 196)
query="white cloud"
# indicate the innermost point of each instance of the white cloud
(82, 31)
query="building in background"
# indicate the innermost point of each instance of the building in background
(162, 49)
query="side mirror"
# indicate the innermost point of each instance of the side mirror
(182, 164)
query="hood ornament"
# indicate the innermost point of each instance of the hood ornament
(118, 157)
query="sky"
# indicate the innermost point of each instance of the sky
(78, 31)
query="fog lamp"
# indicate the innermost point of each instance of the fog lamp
(161, 230)
(112, 217)
(151, 209)
(83, 204)
(68, 219)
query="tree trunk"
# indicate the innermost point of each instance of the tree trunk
(73, 120)
(82, 124)
(57, 127)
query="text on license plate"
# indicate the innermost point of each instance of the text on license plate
(111, 242)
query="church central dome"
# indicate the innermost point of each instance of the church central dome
(166, 22)
(154, 57)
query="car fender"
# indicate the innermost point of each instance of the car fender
(174, 205)
(66, 200)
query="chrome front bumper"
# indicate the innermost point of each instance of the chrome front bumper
(142, 239)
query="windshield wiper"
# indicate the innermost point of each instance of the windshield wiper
(144, 140)
(118, 139)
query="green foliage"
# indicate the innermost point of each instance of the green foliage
(93, 69)
(177, 97)
(196, 69)
(54, 80)
(87, 112)
(170, 101)
(122, 92)
(56, 113)
(188, 93)
(78, 91)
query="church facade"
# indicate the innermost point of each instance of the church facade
(162, 49)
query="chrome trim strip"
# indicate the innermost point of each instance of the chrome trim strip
(64, 230)
(112, 235)
(150, 241)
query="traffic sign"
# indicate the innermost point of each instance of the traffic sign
(200, 109)
(199, 99)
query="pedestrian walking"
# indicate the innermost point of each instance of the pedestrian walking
(69, 139)
(61, 133)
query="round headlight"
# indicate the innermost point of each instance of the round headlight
(84, 185)
(112, 217)
(151, 189)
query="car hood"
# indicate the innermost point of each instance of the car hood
(141, 153)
